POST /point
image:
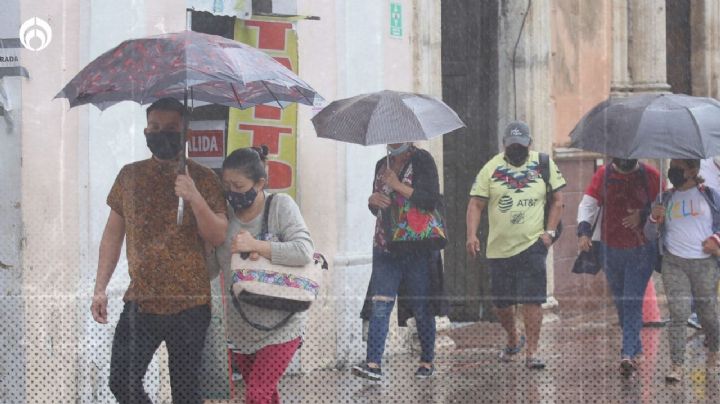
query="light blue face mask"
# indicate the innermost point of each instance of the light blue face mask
(399, 150)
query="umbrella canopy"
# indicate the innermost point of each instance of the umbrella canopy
(651, 126)
(215, 69)
(386, 117)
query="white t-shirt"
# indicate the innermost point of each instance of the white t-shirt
(710, 171)
(688, 222)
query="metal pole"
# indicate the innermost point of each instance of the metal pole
(181, 162)
(659, 198)
(183, 136)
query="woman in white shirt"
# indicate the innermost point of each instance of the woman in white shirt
(689, 222)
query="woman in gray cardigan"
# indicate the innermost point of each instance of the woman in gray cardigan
(264, 340)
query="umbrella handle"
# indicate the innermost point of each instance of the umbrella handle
(659, 199)
(182, 167)
(181, 209)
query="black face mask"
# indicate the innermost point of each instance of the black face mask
(676, 177)
(241, 200)
(164, 144)
(516, 155)
(625, 165)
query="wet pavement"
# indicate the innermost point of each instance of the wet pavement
(581, 352)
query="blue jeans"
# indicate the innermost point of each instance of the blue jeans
(628, 271)
(412, 270)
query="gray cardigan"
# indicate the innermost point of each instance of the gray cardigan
(293, 246)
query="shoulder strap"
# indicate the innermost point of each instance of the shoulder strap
(544, 160)
(644, 174)
(266, 214)
(257, 326)
(544, 164)
(708, 194)
(606, 177)
(408, 163)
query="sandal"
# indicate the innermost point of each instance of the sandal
(507, 353)
(534, 363)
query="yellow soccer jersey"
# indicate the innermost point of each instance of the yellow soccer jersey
(515, 202)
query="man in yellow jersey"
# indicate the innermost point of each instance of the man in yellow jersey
(511, 186)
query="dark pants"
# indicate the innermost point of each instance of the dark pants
(137, 337)
(389, 271)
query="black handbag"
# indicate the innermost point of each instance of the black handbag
(590, 262)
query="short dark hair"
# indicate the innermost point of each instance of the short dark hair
(249, 160)
(167, 104)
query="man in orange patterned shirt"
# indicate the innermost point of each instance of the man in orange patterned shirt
(169, 294)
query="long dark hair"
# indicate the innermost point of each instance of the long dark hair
(250, 161)
(693, 164)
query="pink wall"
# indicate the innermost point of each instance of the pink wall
(581, 60)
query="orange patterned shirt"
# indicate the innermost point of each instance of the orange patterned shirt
(165, 261)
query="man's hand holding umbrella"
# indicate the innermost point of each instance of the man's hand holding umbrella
(185, 189)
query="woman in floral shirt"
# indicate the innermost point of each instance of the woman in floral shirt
(409, 175)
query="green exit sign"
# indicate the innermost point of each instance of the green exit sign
(396, 28)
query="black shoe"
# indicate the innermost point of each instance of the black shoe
(366, 372)
(628, 366)
(424, 373)
(656, 324)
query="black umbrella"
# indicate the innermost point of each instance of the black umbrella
(651, 126)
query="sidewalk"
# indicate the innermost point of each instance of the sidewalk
(581, 351)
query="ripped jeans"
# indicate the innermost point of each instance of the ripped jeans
(390, 271)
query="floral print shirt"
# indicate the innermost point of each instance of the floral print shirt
(166, 262)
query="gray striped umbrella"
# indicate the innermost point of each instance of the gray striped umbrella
(386, 117)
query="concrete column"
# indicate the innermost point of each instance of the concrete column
(620, 84)
(532, 69)
(317, 160)
(426, 43)
(49, 189)
(12, 355)
(533, 79)
(361, 29)
(647, 59)
(705, 56)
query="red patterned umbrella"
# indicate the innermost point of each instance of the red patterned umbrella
(216, 70)
(209, 68)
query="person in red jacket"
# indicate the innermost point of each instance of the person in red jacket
(624, 189)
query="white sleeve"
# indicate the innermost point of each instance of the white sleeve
(588, 209)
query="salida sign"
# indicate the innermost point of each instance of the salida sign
(206, 142)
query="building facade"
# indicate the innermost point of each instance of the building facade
(544, 61)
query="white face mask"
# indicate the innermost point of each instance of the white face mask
(398, 150)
